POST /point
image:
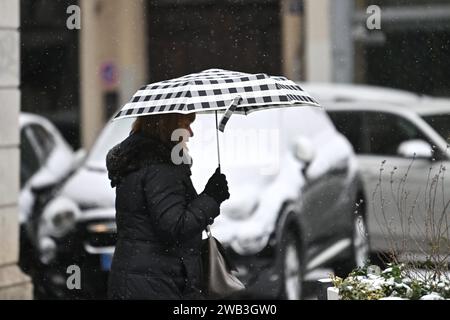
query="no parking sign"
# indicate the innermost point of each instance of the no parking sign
(109, 74)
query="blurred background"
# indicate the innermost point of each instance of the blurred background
(78, 77)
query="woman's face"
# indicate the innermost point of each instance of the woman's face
(185, 121)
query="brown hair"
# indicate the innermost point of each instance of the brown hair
(160, 126)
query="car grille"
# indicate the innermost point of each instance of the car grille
(99, 234)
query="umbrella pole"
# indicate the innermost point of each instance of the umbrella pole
(217, 139)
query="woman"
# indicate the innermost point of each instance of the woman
(159, 215)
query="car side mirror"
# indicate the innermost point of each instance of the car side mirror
(415, 149)
(303, 150)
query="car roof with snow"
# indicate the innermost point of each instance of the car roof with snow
(426, 106)
(26, 118)
(336, 92)
(366, 97)
(366, 106)
(430, 106)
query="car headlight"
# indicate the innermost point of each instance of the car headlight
(102, 227)
(251, 245)
(58, 218)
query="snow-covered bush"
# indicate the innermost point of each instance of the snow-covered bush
(372, 283)
(416, 225)
(415, 221)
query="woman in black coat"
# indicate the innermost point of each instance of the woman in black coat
(159, 215)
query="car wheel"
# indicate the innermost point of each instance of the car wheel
(360, 248)
(291, 268)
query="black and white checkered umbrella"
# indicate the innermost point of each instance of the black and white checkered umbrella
(216, 90)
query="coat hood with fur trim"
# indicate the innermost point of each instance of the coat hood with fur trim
(136, 151)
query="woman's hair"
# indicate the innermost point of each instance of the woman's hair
(160, 126)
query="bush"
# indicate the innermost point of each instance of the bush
(371, 283)
(416, 269)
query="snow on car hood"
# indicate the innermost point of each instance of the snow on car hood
(269, 197)
(90, 188)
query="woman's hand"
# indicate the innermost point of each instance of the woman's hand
(217, 187)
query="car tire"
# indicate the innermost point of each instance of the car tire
(360, 245)
(291, 265)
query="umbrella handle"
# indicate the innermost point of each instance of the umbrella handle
(217, 139)
(226, 116)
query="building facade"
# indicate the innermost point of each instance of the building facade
(402, 44)
(13, 284)
(410, 50)
(78, 78)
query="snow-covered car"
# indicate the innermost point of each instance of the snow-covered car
(293, 183)
(46, 159)
(400, 149)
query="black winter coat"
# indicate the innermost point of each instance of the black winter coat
(160, 219)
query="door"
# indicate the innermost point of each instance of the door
(325, 176)
(195, 35)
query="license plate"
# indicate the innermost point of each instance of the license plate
(105, 261)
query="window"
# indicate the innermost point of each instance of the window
(440, 123)
(349, 123)
(29, 160)
(387, 131)
(44, 140)
(113, 133)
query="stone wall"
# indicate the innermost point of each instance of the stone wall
(13, 284)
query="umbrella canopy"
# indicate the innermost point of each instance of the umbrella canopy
(214, 90)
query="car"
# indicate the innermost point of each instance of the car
(402, 151)
(294, 209)
(294, 187)
(46, 159)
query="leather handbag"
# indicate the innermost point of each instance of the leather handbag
(221, 282)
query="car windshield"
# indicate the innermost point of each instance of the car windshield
(440, 123)
(113, 133)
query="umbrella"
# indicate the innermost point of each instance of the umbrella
(215, 90)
